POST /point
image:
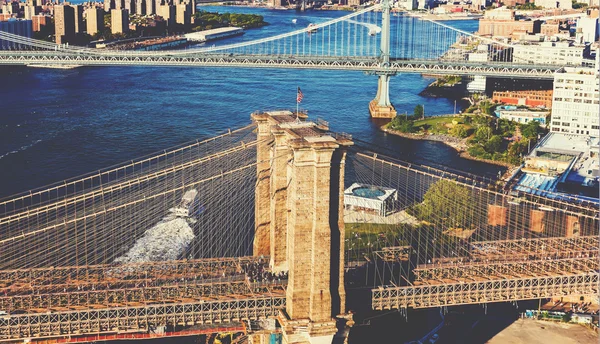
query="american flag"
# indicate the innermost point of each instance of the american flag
(299, 96)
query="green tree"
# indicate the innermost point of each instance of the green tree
(494, 144)
(531, 130)
(447, 203)
(419, 111)
(487, 107)
(402, 124)
(515, 150)
(483, 134)
(459, 131)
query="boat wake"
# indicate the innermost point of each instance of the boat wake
(23, 148)
(169, 238)
(373, 29)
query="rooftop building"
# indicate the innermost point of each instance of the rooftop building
(575, 107)
(94, 20)
(119, 21)
(552, 53)
(561, 4)
(534, 98)
(522, 116)
(64, 23)
(563, 166)
(39, 21)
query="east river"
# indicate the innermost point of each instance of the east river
(57, 124)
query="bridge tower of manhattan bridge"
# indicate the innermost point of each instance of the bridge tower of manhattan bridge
(299, 220)
(381, 107)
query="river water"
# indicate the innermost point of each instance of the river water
(57, 124)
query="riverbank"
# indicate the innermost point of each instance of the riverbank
(460, 145)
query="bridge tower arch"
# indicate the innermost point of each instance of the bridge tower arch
(381, 107)
(304, 182)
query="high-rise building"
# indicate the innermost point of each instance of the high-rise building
(168, 12)
(64, 23)
(140, 7)
(183, 15)
(589, 28)
(130, 6)
(150, 6)
(575, 107)
(79, 22)
(39, 21)
(108, 5)
(94, 20)
(119, 21)
(29, 11)
(555, 53)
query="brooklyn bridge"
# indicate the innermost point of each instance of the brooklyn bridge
(256, 231)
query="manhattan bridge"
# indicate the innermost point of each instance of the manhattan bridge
(257, 230)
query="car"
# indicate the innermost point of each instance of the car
(434, 338)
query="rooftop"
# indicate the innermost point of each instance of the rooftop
(566, 143)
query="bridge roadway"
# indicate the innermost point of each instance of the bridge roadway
(508, 270)
(104, 299)
(360, 63)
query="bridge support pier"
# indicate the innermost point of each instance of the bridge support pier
(262, 206)
(306, 223)
(381, 107)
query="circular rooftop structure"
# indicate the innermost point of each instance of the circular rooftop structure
(368, 192)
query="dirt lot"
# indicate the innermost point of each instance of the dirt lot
(544, 332)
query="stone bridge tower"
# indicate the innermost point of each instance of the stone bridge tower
(299, 220)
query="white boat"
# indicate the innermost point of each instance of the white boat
(312, 28)
(294, 20)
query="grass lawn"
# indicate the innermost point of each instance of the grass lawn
(435, 125)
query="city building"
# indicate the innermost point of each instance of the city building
(371, 199)
(79, 22)
(426, 4)
(64, 23)
(94, 20)
(561, 4)
(19, 27)
(512, 113)
(501, 22)
(108, 5)
(130, 5)
(30, 11)
(478, 84)
(408, 4)
(533, 98)
(555, 53)
(39, 21)
(182, 15)
(550, 28)
(588, 29)
(575, 107)
(563, 166)
(513, 3)
(150, 6)
(119, 21)
(140, 7)
(169, 14)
